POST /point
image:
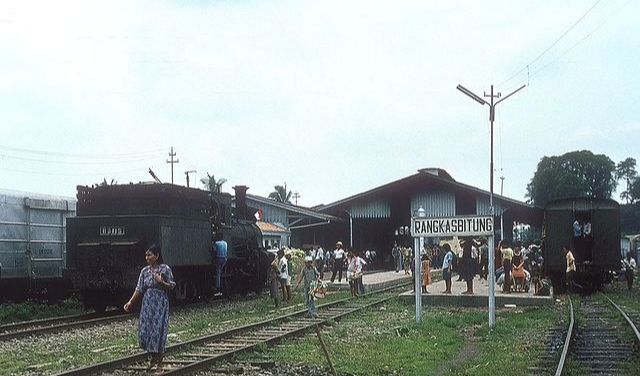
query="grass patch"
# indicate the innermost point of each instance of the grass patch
(81, 347)
(386, 341)
(34, 310)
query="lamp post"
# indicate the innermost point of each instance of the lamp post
(492, 115)
(417, 275)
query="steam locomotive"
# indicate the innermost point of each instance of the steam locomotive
(115, 224)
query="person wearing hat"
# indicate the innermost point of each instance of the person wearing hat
(311, 277)
(338, 262)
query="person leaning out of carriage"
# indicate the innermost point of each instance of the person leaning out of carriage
(153, 325)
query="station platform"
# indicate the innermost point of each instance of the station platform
(373, 280)
(480, 298)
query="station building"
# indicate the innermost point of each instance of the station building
(377, 218)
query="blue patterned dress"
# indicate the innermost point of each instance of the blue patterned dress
(153, 325)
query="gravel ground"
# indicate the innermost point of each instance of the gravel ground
(266, 369)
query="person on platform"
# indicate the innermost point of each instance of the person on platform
(320, 261)
(507, 256)
(338, 262)
(426, 273)
(153, 325)
(484, 259)
(467, 264)
(447, 266)
(397, 257)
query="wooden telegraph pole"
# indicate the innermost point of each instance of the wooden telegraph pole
(171, 155)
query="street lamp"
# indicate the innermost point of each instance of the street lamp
(417, 275)
(492, 113)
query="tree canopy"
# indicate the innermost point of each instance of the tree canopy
(280, 194)
(627, 170)
(574, 174)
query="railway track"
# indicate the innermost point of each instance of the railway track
(57, 324)
(201, 353)
(601, 339)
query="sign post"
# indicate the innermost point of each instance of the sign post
(455, 226)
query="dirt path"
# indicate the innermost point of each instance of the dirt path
(467, 352)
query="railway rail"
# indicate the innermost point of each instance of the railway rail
(57, 324)
(602, 339)
(201, 353)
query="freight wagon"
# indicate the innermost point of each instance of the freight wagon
(32, 245)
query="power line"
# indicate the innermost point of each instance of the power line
(70, 175)
(589, 34)
(74, 162)
(149, 153)
(526, 67)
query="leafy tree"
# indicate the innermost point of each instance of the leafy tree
(213, 185)
(574, 174)
(281, 194)
(626, 170)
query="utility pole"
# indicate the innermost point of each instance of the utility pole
(296, 196)
(501, 211)
(492, 115)
(172, 154)
(187, 174)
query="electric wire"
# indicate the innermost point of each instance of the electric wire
(103, 173)
(587, 36)
(147, 153)
(7, 156)
(551, 46)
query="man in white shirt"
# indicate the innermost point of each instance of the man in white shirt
(320, 261)
(338, 262)
(283, 276)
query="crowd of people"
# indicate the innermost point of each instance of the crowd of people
(517, 268)
(317, 261)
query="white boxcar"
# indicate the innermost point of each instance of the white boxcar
(33, 244)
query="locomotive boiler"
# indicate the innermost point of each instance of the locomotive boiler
(115, 224)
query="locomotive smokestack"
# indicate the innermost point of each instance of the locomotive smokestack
(241, 201)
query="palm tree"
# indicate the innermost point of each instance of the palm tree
(213, 185)
(281, 194)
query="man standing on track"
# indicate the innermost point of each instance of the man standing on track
(571, 267)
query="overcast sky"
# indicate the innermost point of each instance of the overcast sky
(333, 97)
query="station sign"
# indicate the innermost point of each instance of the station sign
(453, 226)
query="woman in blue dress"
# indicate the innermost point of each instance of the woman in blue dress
(153, 326)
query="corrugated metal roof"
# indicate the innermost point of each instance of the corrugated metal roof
(267, 227)
(294, 208)
(442, 177)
